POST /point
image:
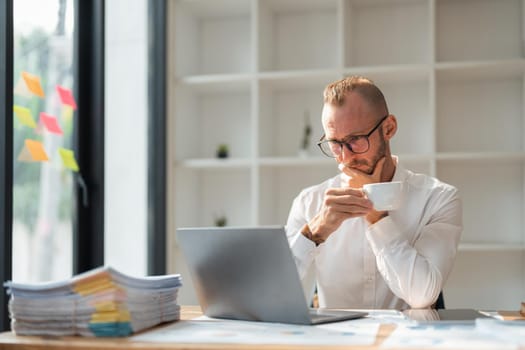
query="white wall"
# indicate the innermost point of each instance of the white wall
(126, 136)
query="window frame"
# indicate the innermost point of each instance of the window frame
(6, 153)
(157, 140)
(88, 135)
(88, 141)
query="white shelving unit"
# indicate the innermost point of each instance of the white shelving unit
(246, 72)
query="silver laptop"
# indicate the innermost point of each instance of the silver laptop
(249, 274)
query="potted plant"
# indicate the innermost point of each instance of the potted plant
(223, 151)
(221, 220)
(307, 132)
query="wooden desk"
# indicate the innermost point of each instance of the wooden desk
(9, 340)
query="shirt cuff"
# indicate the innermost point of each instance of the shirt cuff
(303, 246)
(384, 234)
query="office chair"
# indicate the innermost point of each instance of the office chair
(440, 302)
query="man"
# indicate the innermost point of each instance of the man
(365, 258)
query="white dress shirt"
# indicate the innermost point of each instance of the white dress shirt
(401, 261)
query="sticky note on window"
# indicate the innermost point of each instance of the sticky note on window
(50, 123)
(66, 96)
(68, 159)
(67, 113)
(33, 84)
(33, 151)
(24, 116)
(21, 89)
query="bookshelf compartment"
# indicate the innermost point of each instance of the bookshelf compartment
(206, 195)
(416, 165)
(280, 186)
(298, 35)
(244, 72)
(479, 30)
(386, 32)
(492, 198)
(213, 37)
(477, 281)
(283, 119)
(480, 114)
(204, 120)
(409, 102)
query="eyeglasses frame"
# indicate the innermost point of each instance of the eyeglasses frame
(348, 146)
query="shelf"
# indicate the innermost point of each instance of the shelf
(214, 163)
(251, 73)
(283, 80)
(295, 161)
(314, 160)
(472, 70)
(491, 247)
(392, 72)
(215, 82)
(481, 156)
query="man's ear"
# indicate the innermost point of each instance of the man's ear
(389, 127)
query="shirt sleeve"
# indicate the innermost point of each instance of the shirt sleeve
(416, 272)
(302, 248)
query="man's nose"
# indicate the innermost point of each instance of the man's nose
(346, 155)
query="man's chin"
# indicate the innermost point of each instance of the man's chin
(365, 170)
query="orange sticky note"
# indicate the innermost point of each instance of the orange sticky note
(68, 158)
(24, 116)
(51, 123)
(33, 84)
(21, 89)
(33, 151)
(66, 96)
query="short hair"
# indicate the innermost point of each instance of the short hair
(335, 92)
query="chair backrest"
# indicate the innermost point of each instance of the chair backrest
(440, 302)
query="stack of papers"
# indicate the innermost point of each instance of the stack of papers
(102, 302)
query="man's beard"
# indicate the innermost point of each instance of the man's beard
(370, 164)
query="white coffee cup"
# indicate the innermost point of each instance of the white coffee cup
(384, 195)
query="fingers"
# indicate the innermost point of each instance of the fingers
(341, 204)
(359, 178)
(347, 201)
(376, 175)
(344, 191)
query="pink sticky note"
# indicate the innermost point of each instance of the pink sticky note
(51, 123)
(66, 96)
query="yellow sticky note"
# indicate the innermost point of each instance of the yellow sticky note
(33, 84)
(68, 158)
(24, 116)
(67, 113)
(33, 151)
(67, 119)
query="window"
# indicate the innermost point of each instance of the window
(43, 198)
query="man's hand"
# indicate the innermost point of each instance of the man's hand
(339, 204)
(358, 178)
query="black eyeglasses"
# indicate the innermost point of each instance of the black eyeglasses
(355, 143)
